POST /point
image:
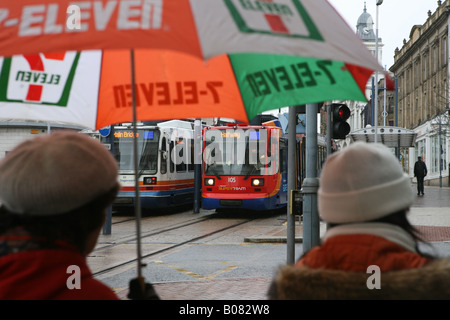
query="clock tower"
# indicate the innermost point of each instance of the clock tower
(365, 29)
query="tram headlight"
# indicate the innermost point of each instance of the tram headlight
(149, 180)
(209, 181)
(257, 182)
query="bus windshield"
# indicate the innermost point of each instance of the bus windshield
(147, 150)
(240, 152)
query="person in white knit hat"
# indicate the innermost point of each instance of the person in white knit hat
(54, 191)
(364, 196)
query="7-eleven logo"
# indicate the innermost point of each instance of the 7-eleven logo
(38, 78)
(36, 64)
(276, 17)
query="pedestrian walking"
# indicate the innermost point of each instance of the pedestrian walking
(370, 250)
(54, 191)
(420, 171)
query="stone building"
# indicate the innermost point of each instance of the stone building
(422, 71)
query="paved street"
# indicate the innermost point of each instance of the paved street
(223, 266)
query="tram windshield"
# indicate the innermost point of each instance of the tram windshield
(241, 152)
(147, 150)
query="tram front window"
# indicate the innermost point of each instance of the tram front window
(240, 152)
(147, 150)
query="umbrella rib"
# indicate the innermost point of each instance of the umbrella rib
(137, 205)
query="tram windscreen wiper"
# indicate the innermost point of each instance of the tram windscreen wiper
(250, 173)
(213, 170)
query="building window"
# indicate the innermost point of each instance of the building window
(416, 74)
(444, 51)
(437, 151)
(435, 59)
(421, 150)
(425, 67)
(404, 159)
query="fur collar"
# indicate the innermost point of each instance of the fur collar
(429, 282)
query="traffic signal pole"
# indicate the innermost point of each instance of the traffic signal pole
(197, 165)
(290, 236)
(311, 226)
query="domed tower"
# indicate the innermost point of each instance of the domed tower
(365, 26)
(365, 29)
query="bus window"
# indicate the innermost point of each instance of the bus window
(147, 150)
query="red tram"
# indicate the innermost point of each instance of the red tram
(244, 167)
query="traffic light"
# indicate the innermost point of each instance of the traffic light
(340, 114)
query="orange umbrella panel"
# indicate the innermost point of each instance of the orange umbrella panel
(186, 87)
(54, 26)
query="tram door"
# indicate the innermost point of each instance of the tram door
(164, 157)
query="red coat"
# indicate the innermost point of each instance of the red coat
(338, 269)
(42, 274)
(355, 252)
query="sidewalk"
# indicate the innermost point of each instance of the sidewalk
(227, 289)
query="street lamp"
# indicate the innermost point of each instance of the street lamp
(379, 2)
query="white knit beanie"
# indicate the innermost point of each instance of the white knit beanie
(55, 174)
(362, 182)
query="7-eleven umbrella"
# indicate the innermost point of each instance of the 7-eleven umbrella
(296, 52)
(189, 58)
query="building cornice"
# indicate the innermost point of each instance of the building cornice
(427, 30)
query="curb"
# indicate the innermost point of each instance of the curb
(270, 239)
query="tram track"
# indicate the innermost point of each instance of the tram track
(123, 221)
(186, 224)
(151, 233)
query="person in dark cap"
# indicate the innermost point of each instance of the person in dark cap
(420, 171)
(54, 191)
(369, 250)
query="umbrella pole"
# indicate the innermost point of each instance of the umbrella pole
(138, 288)
(137, 205)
